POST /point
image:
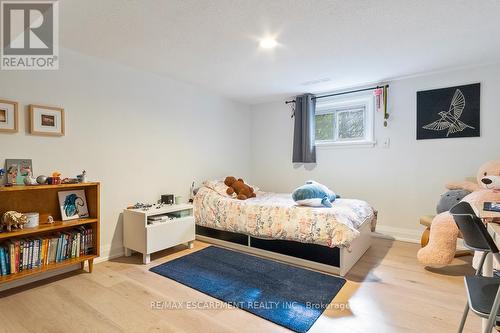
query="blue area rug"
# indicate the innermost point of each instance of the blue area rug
(286, 295)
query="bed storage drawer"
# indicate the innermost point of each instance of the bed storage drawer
(222, 235)
(313, 252)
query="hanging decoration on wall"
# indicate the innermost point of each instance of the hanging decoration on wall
(381, 101)
(46, 120)
(449, 112)
(8, 116)
(386, 114)
(378, 98)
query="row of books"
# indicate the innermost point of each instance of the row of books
(18, 255)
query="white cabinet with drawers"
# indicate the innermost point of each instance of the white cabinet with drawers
(173, 225)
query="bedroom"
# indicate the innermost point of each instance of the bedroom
(149, 97)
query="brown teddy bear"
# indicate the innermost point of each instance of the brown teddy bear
(238, 186)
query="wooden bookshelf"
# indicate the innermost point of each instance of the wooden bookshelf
(46, 268)
(44, 200)
(45, 228)
(61, 187)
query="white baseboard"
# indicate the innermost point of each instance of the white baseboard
(108, 253)
(399, 234)
(406, 235)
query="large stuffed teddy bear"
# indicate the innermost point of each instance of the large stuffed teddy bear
(238, 186)
(441, 248)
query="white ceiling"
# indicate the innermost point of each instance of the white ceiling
(214, 43)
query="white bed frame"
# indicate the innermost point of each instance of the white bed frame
(347, 258)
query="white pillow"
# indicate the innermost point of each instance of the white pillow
(218, 186)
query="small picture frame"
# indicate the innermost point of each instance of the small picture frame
(73, 205)
(46, 120)
(17, 170)
(8, 116)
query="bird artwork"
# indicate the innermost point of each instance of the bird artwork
(450, 120)
(71, 204)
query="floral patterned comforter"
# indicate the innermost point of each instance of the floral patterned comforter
(276, 216)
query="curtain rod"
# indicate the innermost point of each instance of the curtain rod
(343, 93)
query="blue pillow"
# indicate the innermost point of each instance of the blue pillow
(314, 194)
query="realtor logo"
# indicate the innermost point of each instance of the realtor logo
(30, 35)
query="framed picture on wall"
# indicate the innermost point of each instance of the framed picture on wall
(8, 116)
(449, 112)
(46, 120)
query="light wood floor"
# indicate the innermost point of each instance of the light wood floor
(387, 291)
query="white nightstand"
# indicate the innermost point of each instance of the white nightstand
(146, 238)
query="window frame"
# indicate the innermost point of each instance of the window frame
(334, 105)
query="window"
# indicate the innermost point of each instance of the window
(345, 121)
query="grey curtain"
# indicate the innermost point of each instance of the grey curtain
(304, 150)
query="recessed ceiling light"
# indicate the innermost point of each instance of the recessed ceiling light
(268, 43)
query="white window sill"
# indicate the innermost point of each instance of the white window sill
(345, 144)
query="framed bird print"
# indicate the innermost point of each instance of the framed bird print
(73, 204)
(449, 112)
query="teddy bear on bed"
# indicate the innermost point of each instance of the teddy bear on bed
(441, 248)
(238, 186)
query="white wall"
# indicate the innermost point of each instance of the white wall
(138, 134)
(141, 135)
(402, 182)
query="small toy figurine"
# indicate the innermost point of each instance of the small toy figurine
(56, 178)
(12, 175)
(142, 206)
(69, 181)
(50, 219)
(13, 219)
(83, 177)
(29, 180)
(2, 172)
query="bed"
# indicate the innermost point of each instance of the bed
(272, 225)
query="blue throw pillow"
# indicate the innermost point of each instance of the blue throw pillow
(314, 194)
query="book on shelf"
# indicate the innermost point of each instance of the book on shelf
(18, 255)
(3, 268)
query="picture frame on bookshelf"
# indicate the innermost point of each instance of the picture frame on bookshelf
(46, 120)
(73, 205)
(8, 116)
(17, 170)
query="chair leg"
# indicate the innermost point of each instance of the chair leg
(479, 270)
(493, 314)
(464, 318)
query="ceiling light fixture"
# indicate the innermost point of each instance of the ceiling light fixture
(268, 43)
